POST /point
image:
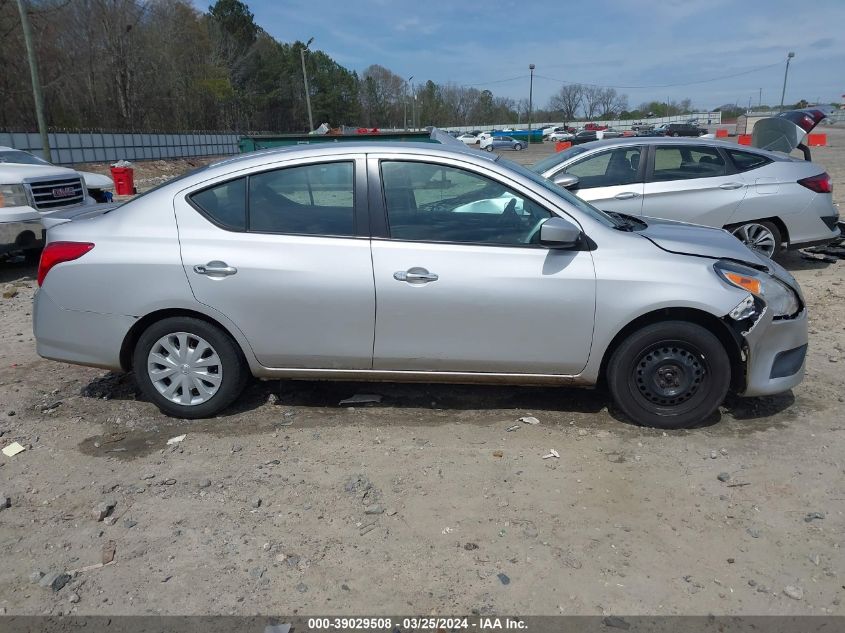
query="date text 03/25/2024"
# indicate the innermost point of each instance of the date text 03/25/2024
(418, 623)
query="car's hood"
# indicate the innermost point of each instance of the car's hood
(784, 132)
(12, 173)
(705, 241)
(96, 181)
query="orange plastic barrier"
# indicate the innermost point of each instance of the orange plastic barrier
(817, 140)
(560, 146)
(721, 132)
(744, 139)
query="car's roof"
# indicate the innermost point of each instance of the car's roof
(662, 140)
(327, 149)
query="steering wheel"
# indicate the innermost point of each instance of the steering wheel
(535, 230)
(509, 216)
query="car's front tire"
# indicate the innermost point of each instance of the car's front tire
(517, 147)
(189, 368)
(670, 375)
(489, 148)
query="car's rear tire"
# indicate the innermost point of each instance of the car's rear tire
(669, 375)
(761, 236)
(489, 148)
(189, 368)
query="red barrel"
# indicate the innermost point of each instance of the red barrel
(124, 180)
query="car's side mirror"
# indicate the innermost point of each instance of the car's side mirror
(567, 181)
(558, 232)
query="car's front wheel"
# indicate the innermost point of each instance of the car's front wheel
(763, 237)
(489, 148)
(672, 374)
(517, 147)
(189, 368)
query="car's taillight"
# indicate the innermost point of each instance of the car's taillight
(819, 184)
(805, 119)
(58, 252)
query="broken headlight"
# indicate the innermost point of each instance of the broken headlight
(781, 299)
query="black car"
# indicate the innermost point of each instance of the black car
(683, 129)
(584, 136)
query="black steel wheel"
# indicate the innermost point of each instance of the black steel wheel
(672, 374)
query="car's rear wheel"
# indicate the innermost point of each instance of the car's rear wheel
(189, 368)
(763, 237)
(672, 374)
(489, 148)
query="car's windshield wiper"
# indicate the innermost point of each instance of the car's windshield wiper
(626, 222)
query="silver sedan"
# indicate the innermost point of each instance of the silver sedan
(411, 262)
(766, 199)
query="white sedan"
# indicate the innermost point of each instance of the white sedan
(561, 136)
(469, 139)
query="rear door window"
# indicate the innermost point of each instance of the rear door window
(684, 162)
(314, 199)
(224, 204)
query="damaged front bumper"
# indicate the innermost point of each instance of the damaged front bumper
(774, 351)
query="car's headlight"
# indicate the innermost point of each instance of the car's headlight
(781, 299)
(13, 196)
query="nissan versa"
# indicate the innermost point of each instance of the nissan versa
(411, 262)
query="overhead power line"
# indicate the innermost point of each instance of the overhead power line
(671, 85)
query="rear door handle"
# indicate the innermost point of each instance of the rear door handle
(732, 185)
(415, 275)
(215, 269)
(626, 195)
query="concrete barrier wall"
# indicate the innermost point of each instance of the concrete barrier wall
(73, 148)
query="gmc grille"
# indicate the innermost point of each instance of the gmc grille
(55, 193)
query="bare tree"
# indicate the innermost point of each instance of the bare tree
(611, 103)
(568, 101)
(592, 100)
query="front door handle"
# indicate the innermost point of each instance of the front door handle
(415, 275)
(626, 195)
(215, 269)
(732, 185)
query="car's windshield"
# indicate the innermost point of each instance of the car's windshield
(547, 163)
(20, 158)
(544, 182)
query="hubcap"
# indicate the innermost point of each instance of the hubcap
(756, 237)
(668, 375)
(184, 368)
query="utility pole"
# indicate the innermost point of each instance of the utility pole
(760, 100)
(405, 100)
(414, 107)
(785, 74)
(36, 82)
(530, 100)
(305, 77)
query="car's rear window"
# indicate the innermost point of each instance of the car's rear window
(746, 161)
(224, 204)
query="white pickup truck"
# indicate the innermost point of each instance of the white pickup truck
(31, 189)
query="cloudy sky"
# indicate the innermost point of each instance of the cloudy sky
(644, 48)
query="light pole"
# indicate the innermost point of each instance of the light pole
(36, 82)
(530, 100)
(785, 73)
(305, 78)
(405, 100)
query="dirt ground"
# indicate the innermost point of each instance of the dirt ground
(424, 503)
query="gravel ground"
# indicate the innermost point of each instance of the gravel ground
(423, 503)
